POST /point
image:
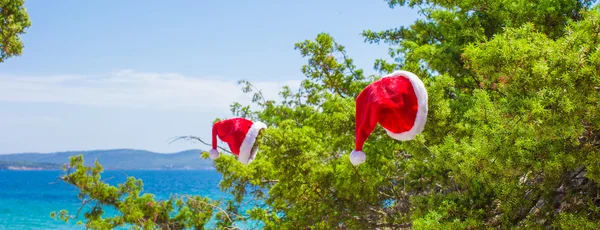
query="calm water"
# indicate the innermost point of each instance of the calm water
(28, 197)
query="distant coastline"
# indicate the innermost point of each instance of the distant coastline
(23, 168)
(24, 165)
(115, 159)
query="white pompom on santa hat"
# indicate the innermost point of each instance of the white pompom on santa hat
(240, 134)
(398, 102)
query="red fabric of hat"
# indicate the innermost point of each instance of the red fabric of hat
(398, 102)
(240, 134)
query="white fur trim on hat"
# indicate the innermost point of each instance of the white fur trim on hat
(246, 155)
(422, 99)
(214, 154)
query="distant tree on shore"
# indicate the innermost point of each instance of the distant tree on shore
(13, 22)
(512, 138)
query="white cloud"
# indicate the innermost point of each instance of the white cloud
(128, 88)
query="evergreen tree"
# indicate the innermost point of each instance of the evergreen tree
(512, 138)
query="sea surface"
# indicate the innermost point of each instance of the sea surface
(28, 197)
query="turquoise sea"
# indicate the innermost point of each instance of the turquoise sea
(28, 197)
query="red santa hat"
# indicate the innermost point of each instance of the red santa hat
(240, 134)
(398, 102)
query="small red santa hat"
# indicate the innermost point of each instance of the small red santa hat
(240, 134)
(398, 102)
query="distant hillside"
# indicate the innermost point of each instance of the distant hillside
(111, 159)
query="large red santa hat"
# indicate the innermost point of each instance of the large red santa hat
(240, 134)
(398, 102)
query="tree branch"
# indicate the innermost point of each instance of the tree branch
(190, 138)
(345, 57)
(220, 209)
(358, 174)
(250, 85)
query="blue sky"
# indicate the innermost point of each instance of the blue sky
(104, 74)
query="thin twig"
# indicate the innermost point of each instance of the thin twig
(83, 203)
(260, 93)
(57, 180)
(345, 57)
(358, 174)
(189, 138)
(61, 178)
(220, 209)
(427, 148)
(250, 85)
